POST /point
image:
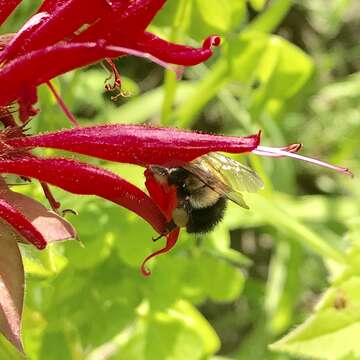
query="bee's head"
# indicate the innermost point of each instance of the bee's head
(160, 173)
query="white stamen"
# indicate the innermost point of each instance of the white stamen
(277, 152)
(176, 69)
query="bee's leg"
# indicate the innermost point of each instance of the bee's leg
(170, 226)
(158, 237)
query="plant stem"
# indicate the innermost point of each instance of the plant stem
(170, 82)
(270, 19)
(203, 93)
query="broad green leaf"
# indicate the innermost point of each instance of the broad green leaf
(133, 241)
(258, 5)
(205, 17)
(8, 351)
(244, 54)
(268, 20)
(164, 286)
(46, 263)
(240, 56)
(95, 238)
(333, 331)
(251, 57)
(216, 17)
(58, 341)
(209, 272)
(178, 333)
(281, 73)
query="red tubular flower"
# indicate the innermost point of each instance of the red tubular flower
(112, 29)
(140, 145)
(136, 144)
(16, 76)
(80, 33)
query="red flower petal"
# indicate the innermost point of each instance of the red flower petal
(165, 198)
(20, 223)
(139, 15)
(151, 44)
(21, 38)
(45, 65)
(174, 53)
(84, 179)
(171, 240)
(6, 8)
(139, 144)
(26, 101)
(53, 23)
(127, 20)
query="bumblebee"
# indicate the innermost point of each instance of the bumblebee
(203, 187)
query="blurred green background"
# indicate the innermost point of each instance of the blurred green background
(290, 68)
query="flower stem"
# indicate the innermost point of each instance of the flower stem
(170, 78)
(62, 105)
(270, 19)
(204, 91)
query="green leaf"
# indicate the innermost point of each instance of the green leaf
(333, 331)
(280, 68)
(177, 333)
(281, 73)
(216, 16)
(258, 5)
(205, 17)
(95, 240)
(165, 284)
(268, 20)
(209, 273)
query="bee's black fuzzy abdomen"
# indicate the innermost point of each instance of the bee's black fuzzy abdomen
(205, 219)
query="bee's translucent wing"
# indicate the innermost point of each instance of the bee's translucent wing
(225, 176)
(237, 176)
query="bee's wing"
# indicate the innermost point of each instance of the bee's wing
(225, 176)
(236, 175)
